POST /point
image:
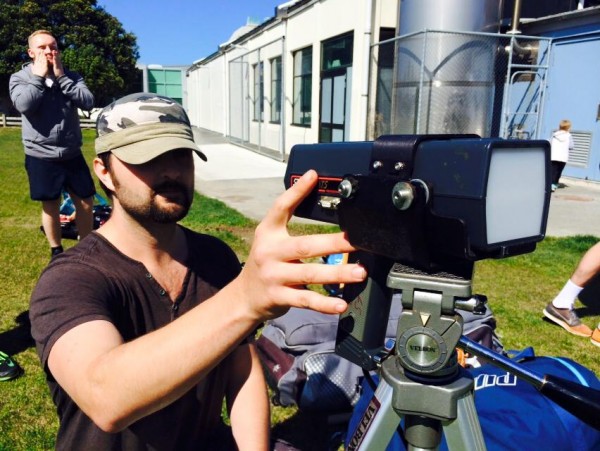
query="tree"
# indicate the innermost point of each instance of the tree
(93, 43)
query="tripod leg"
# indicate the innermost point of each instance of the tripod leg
(465, 431)
(422, 433)
(378, 423)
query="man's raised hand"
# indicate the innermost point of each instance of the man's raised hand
(274, 277)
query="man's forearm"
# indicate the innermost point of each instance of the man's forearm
(27, 95)
(248, 402)
(77, 91)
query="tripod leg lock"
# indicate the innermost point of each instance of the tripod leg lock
(434, 401)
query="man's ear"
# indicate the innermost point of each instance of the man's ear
(103, 173)
(31, 54)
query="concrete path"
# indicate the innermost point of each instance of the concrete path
(244, 180)
(575, 209)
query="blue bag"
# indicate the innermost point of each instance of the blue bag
(512, 413)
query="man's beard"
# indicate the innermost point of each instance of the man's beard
(180, 200)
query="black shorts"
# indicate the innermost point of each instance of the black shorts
(47, 178)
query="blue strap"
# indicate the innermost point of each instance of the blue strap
(573, 370)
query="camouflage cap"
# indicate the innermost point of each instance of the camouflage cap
(140, 127)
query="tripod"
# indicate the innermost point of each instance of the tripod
(422, 382)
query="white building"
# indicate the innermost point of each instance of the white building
(352, 70)
(300, 77)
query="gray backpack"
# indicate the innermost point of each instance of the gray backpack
(302, 368)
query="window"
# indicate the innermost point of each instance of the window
(336, 81)
(276, 90)
(166, 82)
(259, 104)
(337, 53)
(302, 86)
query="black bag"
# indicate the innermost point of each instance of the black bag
(301, 367)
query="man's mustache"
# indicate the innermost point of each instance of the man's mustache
(170, 186)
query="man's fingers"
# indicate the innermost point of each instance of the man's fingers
(283, 208)
(320, 303)
(56, 57)
(305, 299)
(309, 246)
(319, 274)
(291, 249)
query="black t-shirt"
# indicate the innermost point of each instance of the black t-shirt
(94, 281)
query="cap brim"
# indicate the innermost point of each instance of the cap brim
(143, 151)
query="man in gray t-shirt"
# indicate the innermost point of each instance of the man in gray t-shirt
(151, 325)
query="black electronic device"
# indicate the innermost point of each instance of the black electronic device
(420, 199)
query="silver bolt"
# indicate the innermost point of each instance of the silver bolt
(402, 195)
(345, 188)
(377, 164)
(399, 166)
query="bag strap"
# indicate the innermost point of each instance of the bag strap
(572, 369)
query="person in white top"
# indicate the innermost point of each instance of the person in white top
(561, 144)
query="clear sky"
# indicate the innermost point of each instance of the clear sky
(179, 32)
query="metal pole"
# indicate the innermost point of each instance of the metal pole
(282, 128)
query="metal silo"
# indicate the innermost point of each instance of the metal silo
(444, 78)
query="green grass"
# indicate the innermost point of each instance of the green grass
(517, 288)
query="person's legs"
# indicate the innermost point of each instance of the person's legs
(588, 266)
(84, 214)
(560, 310)
(45, 181)
(51, 222)
(560, 167)
(555, 174)
(586, 270)
(595, 338)
(81, 188)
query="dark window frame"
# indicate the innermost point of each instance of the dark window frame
(303, 71)
(276, 74)
(258, 111)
